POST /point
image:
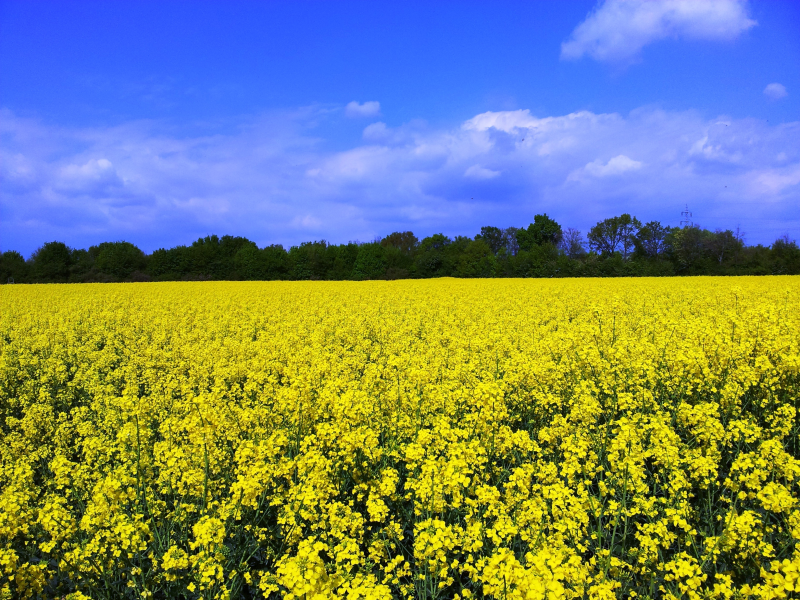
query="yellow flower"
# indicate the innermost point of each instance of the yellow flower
(447, 438)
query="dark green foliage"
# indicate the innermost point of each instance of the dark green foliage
(248, 262)
(13, 268)
(404, 241)
(453, 253)
(268, 263)
(539, 261)
(311, 260)
(82, 266)
(430, 259)
(617, 234)
(214, 258)
(688, 249)
(399, 265)
(370, 262)
(344, 261)
(172, 264)
(51, 262)
(119, 259)
(477, 260)
(572, 243)
(543, 230)
(511, 245)
(494, 237)
(723, 246)
(755, 260)
(619, 247)
(210, 257)
(651, 239)
(785, 256)
(401, 246)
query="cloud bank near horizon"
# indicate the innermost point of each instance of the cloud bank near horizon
(274, 179)
(617, 30)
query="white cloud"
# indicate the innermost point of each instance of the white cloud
(507, 121)
(479, 172)
(92, 169)
(775, 91)
(354, 110)
(375, 131)
(95, 176)
(617, 30)
(307, 222)
(273, 181)
(615, 166)
(771, 182)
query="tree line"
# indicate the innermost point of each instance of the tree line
(619, 246)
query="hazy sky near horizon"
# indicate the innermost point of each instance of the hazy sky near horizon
(161, 122)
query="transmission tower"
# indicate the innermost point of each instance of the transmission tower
(686, 218)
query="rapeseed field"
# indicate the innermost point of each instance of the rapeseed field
(418, 439)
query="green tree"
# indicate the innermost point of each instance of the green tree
(370, 262)
(539, 261)
(430, 257)
(477, 260)
(276, 261)
(170, 264)
(785, 256)
(543, 230)
(344, 259)
(494, 237)
(398, 264)
(617, 234)
(249, 264)
(269, 263)
(753, 260)
(310, 260)
(651, 239)
(688, 251)
(13, 268)
(212, 257)
(723, 245)
(51, 262)
(82, 267)
(511, 245)
(401, 247)
(572, 243)
(119, 259)
(452, 255)
(405, 241)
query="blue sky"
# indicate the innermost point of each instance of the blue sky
(159, 122)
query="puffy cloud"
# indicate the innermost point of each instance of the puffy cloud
(773, 181)
(90, 178)
(615, 166)
(308, 222)
(375, 131)
(272, 179)
(775, 91)
(354, 110)
(508, 121)
(94, 169)
(617, 30)
(479, 172)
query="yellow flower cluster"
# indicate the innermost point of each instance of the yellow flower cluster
(420, 439)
